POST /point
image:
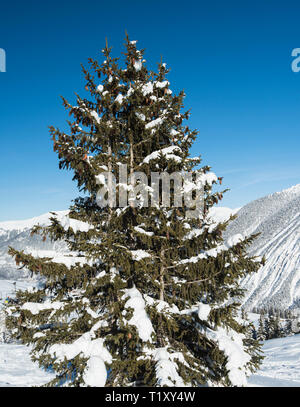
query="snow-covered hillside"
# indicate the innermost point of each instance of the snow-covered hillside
(281, 366)
(17, 368)
(221, 213)
(277, 218)
(17, 235)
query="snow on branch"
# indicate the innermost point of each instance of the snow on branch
(138, 255)
(95, 373)
(36, 307)
(142, 231)
(231, 343)
(167, 152)
(140, 318)
(166, 368)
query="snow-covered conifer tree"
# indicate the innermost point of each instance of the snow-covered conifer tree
(261, 328)
(146, 295)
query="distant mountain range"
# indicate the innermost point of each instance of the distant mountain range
(276, 217)
(17, 235)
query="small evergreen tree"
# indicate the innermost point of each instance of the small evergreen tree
(261, 328)
(267, 328)
(146, 293)
(288, 327)
(295, 324)
(272, 326)
(277, 330)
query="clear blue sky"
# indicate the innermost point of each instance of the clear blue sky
(232, 58)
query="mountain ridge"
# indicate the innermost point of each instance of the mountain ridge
(277, 218)
(17, 235)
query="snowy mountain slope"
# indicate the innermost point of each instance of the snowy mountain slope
(221, 213)
(277, 218)
(17, 235)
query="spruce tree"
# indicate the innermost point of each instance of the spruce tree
(146, 295)
(267, 327)
(288, 327)
(272, 326)
(277, 327)
(261, 336)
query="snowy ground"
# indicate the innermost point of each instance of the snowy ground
(281, 366)
(17, 369)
